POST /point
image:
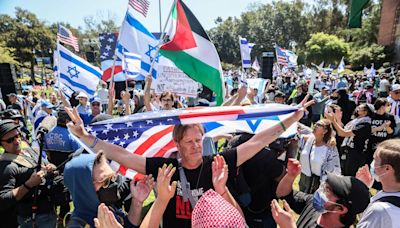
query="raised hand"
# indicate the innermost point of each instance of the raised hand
(105, 218)
(293, 167)
(365, 176)
(219, 174)
(304, 104)
(141, 190)
(165, 191)
(282, 217)
(76, 126)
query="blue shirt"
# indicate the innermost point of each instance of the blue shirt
(59, 139)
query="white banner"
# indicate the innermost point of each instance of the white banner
(174, 80)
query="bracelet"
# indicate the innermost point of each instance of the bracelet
(94, 143)
(282, 125)
(26, 186)
(224, 192)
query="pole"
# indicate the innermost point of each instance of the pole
(58, 64)
(162, 37)
(159, 13)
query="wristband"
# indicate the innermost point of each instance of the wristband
(26, 186)
(94, 143)
(282, 125)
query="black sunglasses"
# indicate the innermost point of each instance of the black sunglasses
(10, 140)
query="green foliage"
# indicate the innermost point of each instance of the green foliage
(369, 54)
(327, 47)
(6, 54)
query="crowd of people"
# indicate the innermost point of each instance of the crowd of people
(346, 144)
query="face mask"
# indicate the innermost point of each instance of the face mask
(110, 195)
(334, 98)
(373, 173)
(319, 201)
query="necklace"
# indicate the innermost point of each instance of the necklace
(198, 178)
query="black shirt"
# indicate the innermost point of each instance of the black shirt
(260, 173)
(14, 106)
(359, 142)
(377, 121)
(178, 213)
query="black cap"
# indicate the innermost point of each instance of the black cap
(7, 126)
(351, 190)
(11, 114)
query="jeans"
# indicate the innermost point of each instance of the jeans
(48, 220)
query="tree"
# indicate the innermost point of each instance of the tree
(329, 48)
(366, 55)
(24, 33)
(6, 54)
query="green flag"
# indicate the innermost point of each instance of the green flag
(356, 9)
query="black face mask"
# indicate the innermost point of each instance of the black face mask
(110, 195)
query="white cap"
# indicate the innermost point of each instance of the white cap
(395, 87)
(82, 94)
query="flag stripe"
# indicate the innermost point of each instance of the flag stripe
(152, 139)
(194, 23)
(75, 84)
(137, 25)
(80, 64)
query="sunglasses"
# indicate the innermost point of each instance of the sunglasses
(319, 125)
(95, 104)
(107, 181)
(10, 140)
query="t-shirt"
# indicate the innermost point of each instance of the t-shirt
(263, 186)
(178, 213)
(377, 121)
(14, 106)
(359, 142)
(380, 214)
(302, 204)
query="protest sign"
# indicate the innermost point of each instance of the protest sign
(172, 79)
(257, 83)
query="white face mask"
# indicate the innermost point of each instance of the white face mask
(373, 173)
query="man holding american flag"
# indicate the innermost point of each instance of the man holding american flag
(194, 175)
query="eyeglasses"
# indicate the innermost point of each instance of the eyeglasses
(396, 92)
(319, 125)
(10, 140)
(95, 104)
(107, 181)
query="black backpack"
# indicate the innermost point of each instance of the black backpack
(395, 200)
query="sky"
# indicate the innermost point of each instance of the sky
(73, 11)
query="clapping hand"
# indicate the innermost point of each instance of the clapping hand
(219, 174)
(282, 217)
(142, 189)
(365, 176)
(105, 218)
(165, 191)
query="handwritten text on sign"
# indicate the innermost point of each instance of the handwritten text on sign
(174, 80)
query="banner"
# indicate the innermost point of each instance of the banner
(174, 80)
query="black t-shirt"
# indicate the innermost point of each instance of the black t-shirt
(377, 121)
(302, 204)
(260, 173)
(14, 106)
(178, 212)
(362, 134)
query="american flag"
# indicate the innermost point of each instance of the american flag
(150, 133)
(108, 42)
(142, 6)
(65, 36)
(281, 56)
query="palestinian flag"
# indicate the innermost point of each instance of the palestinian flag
(190, 48)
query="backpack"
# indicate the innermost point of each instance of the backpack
(395, 200)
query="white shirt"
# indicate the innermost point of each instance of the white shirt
(103, 95)
(381, 214)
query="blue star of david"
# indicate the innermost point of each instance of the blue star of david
(148, 53)
(73, 72)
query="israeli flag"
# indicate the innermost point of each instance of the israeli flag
(131, 66)
(341, 66)
(245, 52)
(372, 71)
(135, 38)
(76, 73)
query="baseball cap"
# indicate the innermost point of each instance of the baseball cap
(7, 126)
(214, 211)
(82, 94)
(395, 87)
(47, 104)
(11, 114)
(11, 94)
(351, 190)
(94, 100)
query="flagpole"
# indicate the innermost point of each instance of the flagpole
(162, 36)
(159, 13)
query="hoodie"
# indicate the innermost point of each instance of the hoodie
(78, 179)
